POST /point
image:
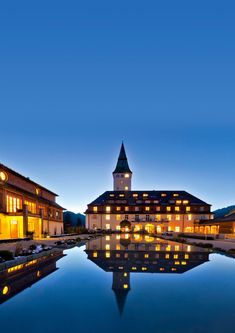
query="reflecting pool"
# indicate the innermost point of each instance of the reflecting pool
(122, 283)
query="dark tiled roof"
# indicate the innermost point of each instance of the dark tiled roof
(122, 163)
(151, 196)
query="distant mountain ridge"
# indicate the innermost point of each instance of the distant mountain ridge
(224, 211)
(74, 220)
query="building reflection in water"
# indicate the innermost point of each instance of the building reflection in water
(125, 254)
(19, 277)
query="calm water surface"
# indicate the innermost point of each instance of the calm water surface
(132, 284)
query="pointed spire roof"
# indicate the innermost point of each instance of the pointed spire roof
(122, 163)
(121, 296)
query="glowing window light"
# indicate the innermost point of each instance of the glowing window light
(107, 254)
(95, 254)
(5, 290)
(125, 286)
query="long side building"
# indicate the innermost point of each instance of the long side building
(26, 206)
(153, 211)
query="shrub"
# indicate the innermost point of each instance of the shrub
(6, 255)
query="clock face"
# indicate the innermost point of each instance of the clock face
(3, 176)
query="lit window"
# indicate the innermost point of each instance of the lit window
(168, 209)
(5, 290)
(118, 209)
(37, 190)
(183, 263)
(158, 208)
(188, 209)
(163, 195)
(146, 256)
(107, 254)
(158, 217)
(111, 195)
(135, 195)
(147, 209)
(173, 269)
(177, 247)
(134, 268)
(190, 217)
(95, 255)
(169, 217)
(108, 209)
(118, 247)
(107, 217)
(126, 209)
(125, 286)
(118, 237)
(144, 268)
(177, 209)
(3, 176)
(107, 226)
(95, 209)
(107, 238)
(118, 218)
(176, 256)
(168, 248)
(162, 269)
(107, 247)
(127, 175)
(177, 229)
(126, 188)
(177, 217)
(185, 202)
(186, 256)
(125, 274)
(167, 256)
(177, 262)
(158, 247)
(175, 194)
(145, 195)
(178, 202)
(121, 195)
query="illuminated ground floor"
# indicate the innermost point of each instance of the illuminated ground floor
(149, 223)
(17, 226)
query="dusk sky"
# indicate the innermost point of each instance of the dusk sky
(78, 77)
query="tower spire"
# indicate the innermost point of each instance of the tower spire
(122, 173)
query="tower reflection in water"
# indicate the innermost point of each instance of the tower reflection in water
(124, 254)
(16, 278)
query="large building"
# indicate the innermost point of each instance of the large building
(152, 211)
(27, 207)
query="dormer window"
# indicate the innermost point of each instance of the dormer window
(37, 190)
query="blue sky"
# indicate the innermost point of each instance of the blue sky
(78, 77)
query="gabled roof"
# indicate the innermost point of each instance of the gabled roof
(227, 218)
(5, 168)
(122, 163)
(149, 195)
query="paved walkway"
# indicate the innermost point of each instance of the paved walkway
(225, 244)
